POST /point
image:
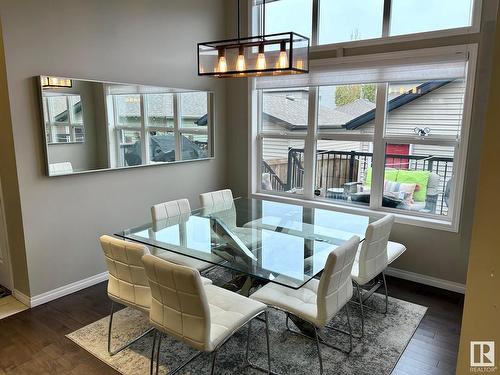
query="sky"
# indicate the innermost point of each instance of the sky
(344, 20)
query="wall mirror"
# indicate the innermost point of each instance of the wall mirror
(90, 125)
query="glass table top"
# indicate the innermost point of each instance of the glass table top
(284, 243)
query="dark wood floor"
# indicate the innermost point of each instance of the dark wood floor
(434, 347)
(33, 341)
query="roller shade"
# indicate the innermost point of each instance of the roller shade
(380, 68)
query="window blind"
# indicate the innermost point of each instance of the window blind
(380, 68)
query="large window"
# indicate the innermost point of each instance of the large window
(349, 20)
(393, 145)
(160, 127)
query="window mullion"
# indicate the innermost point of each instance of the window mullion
(144, 141)
(378, 161)
(177, 120)
(210, 124)
(310, 144)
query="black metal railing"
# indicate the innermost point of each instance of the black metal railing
(295, 169)
(276, 183)
(336, 168)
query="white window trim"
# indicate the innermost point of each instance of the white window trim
(450, 223)
(385, 38)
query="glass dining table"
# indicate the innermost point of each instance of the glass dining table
(262, 240)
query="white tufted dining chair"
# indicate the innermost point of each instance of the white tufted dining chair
(318, 301)
(169, 213)
(221, 203)
(375, 253)
(215, 198)
(202, 316)
(128, 283)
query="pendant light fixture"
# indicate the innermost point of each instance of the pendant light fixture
(55, 82)
(261, 55)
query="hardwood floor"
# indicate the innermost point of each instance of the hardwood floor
(33, 341)
(434, 347)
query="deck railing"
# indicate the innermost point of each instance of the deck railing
(336, 168)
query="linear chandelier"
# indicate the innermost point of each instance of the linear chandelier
(262, 55)
(55, 82)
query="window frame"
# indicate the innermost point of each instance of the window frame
(448, 223)
(72, 125)
(144, 128)
(475, 27)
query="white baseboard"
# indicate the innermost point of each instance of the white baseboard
(85, 283)
(21, 297)
(62, 291)
(426, 280)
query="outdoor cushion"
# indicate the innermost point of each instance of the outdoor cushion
(400, 190)
(421, 178)
(391, 174)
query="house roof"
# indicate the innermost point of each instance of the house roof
(194, 105)
(291, 112)
(397, 102)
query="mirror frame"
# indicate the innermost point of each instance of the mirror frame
(211, 104)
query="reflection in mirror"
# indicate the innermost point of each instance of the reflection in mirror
(92, 125)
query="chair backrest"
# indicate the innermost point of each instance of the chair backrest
(179, 305)
(373, 254)
(60, 168)
(167, 210)
(128, 282)
(335, 285)
(215, 198)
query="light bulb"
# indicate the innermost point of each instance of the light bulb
(283, 58)
(222, 65)
(240, 62)
(300, 64)
(261, 58)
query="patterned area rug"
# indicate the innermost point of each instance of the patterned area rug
(377, 353)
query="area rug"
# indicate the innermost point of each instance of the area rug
(377, 353)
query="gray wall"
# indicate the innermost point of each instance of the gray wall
(150, 42)
(430, 252)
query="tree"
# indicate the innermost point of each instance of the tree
(347, 94)
(369, 92)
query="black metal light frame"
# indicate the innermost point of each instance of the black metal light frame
(281, 40)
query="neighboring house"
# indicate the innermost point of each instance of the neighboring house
(436, 104)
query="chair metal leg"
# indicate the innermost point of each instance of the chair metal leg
(247, 356)
(191, 359)
(386, 294)
(124, 346)
(316, 336)
(349, 326)
(360, 297)
(178, 368)
(214, 358)
(151, 365)
(268, 343)
(319, 351)
(158, 352)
